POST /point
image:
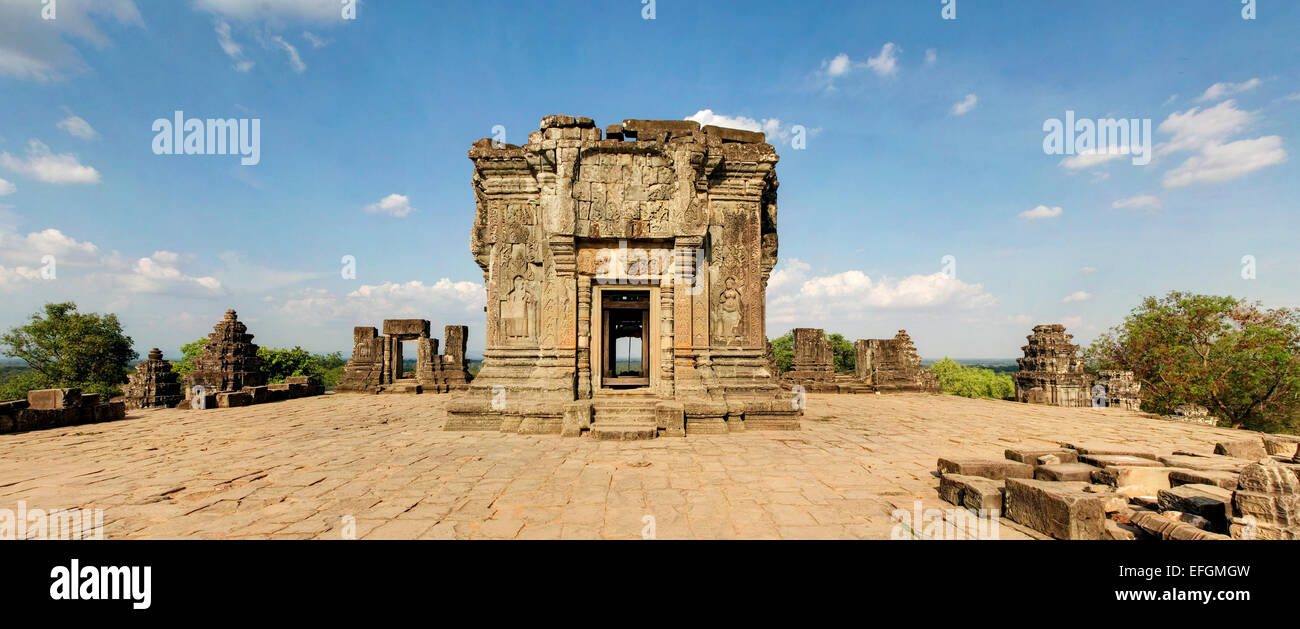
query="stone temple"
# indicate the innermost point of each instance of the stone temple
(1051, 371)
(377, 361)
(892, 365)
(229, 361)
(626, 276)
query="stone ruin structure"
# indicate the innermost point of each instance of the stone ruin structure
(626, 277)
(1051, 372)
(154, 384)
(1122, 389)
(377, 362)
(54, 408)
(881, 366)
(229, 361)
(813, 363)
(893, 365)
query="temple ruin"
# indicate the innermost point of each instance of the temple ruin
(377, 363)
(1051, 371)
(892, 365)
(626, 276)
(154, 384)
(229, 361)
(813, 364)
(1121, 388)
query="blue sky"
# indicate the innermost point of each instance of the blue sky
(923, 140)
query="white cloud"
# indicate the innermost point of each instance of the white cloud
(1223, 162)
(1196, 128)
(770, 126)
(444, 300)
(794, 298)
(295, 61)
(394, 205)
(232, 49)
(77, 127)
(840, 65)
(33, 48)
(7, 188)
(885, 63)
(1220, 90)
(311, 10)
(1088, 270)
(931, 56)
(158, 275)
(42, 165)
(1139, 202)
(967, 104)
(315, 40)
(1042, 212)
(18, 277)
(1077, 296)
(1090, 159)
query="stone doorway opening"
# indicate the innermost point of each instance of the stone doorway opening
(625, 339)
(407, 353)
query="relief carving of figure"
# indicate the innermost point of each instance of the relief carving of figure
(519, 312)
(727, 322)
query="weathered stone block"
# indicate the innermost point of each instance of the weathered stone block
(233, 399)
(1251, 448)
(1061, 510)
(1282, 445)
(671, 418)
(258, 395)
(38, 419)
(1216, 463)
(1031, 456)
(1208, 501)
(972, 492)
(1148, 480)
(1115, 460)
(1165, 528)
(53, 399)
(1269, 478)
(406, 327)
(111, 411)
(1110, 449)
(1066, 472)
(993, 469)
(1224, 479)
(577, 418)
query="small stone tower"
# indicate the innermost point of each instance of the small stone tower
(154, 384)
(229, 362)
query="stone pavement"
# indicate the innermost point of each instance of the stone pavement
(295, 469)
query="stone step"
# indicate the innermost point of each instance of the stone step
(624, 431)
(402, 388)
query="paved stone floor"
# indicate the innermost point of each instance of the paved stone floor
(295, 469)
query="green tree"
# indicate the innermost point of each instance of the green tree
(783, 349)
(66, 348)
(972, 382)
(189, 353)
(846, 357)
(1231, 356)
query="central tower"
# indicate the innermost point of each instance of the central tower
(626, 281)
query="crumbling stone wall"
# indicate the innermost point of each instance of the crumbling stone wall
(1051, 371)
(377, 362)
(892, 365)
(53, 408)
(1122, 389)
(813, 363)
(154, 384)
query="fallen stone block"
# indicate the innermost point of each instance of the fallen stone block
(1115, 460)
(1148, 480)
(37, 419)
(1188, 518)
(1165, 528)
(1109, 449)
(972, 492)
(53, 399)
(111, 411)
(1207, 501)
(1224, 479)
(1282, 445)
(1118, 531)
(993, 469)
(1031, 456)
(671, 417)
(1251, 448)
(234, 399)
(258, 395)
(1252, 529)
(577, 418)
(1066, 472)
(1275, 509)
(1218, 463)
(1269, 478)
(1061, 510)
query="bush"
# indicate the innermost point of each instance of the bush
(68, 349)
(972, 382)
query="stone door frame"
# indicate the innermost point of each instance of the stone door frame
(597, 334)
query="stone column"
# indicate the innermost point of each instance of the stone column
(584, 337)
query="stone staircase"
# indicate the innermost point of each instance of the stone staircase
(403, 386)
(624, 416)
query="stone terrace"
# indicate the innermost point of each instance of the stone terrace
(294, 469)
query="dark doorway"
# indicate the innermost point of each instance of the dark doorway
(625, 332)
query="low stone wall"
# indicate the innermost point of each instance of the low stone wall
(293, 388)
(54, 408)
